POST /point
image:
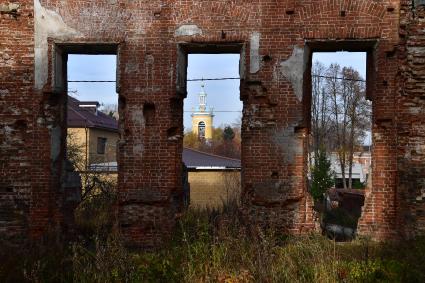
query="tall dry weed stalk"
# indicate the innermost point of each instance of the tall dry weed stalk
(211, 246)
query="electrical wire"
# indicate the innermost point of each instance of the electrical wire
(217, 111)
(92, 81)
(337, 78)
(216, 79)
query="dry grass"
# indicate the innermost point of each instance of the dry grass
(211, 246)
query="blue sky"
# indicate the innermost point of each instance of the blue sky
(357, 60)
(222, 95)
(93, 67)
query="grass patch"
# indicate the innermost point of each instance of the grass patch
(211, 246)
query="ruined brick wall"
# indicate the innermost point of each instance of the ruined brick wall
(276, 38)
(17, 122)
(411, 121)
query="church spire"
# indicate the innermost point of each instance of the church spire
(202, 119)
(202, 98)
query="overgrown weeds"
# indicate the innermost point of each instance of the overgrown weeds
(212, 246)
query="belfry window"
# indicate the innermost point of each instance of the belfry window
(201, 130)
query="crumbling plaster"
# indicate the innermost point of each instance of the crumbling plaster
(9, 7)
(290, 144)
(293, 69)
(47, 24)
(255, 53)
(188, 30)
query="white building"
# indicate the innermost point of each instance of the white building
(360, 169)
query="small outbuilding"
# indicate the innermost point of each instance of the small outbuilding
(214, 180)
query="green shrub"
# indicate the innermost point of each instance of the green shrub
(322, 178)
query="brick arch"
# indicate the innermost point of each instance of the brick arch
(362, 7)
(113, 19)
(242, 11)
(341, 32)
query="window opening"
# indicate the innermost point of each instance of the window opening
(340, 139)
(101, 145)
(92, 122)
(212, 135)
(201, 131)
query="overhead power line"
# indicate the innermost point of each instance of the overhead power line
(189, 80)
(216, 79)
(222, 79)
(92, 81)
(326, 77)
(220, 111)
(337, 78)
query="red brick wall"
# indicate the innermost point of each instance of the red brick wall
(275, 122)
(411, 122)
(18, 169)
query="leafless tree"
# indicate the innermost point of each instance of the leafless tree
(321, 120)
(110, 109)
(340, 114)
(353, 92)
(93, 182)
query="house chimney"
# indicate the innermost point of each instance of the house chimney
(90, 106)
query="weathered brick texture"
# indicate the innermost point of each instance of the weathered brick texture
(20, 187)
(275, 39)
(410, 108)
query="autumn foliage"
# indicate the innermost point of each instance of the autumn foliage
(226, 141)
